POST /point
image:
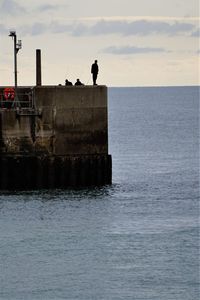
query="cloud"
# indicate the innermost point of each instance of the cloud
(196, 33)
(140, 27)
(47, 7)
(137, 18)
(125, 28)
(38, 28)
(80, 29)
(34, 29)
(118, 27)
(3, 29)
(56, 27)
(132, 50)
(11, 7)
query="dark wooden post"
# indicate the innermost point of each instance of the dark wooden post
(38, 67)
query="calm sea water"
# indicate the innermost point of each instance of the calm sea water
(136, 239)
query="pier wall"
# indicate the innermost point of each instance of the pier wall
(74, 117)
(61, 141)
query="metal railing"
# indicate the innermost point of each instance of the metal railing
(25, 100)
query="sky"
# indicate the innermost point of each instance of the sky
(136, 42)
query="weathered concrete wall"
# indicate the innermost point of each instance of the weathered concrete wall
(15, 133)
(73, 121)
(66, 144)
(74, 117)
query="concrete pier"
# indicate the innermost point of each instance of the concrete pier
(58, 139)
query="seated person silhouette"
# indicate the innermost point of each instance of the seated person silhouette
(78, 82)
(67, 82)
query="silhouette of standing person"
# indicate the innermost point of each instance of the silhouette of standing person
(94, 71)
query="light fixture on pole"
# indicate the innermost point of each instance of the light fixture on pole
(17, 47)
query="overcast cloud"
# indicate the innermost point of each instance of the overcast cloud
(196, 33)
(141, 27)
(11, 7)
(131, 39)
(3, 30)
(132, 50)
(124, 28)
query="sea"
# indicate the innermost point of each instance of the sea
(137, 239)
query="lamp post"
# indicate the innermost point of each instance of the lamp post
(17, 47)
